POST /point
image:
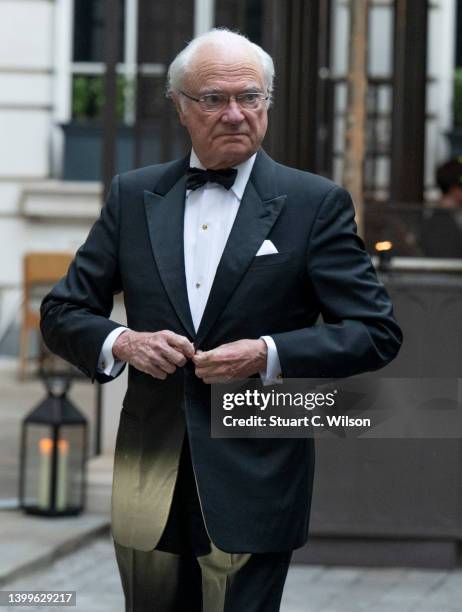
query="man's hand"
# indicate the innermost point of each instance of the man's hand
(232, 361)
(156, 353)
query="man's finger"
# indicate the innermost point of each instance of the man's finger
(163, 364)
(204, 357)
(181, 343)
(159, 374)
(212, 371)
(174, 356)
(207, 368)
(155, 372)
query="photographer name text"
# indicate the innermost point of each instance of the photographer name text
(306, 421)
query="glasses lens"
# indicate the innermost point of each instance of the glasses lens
(217, 101)
(249, 100)
(213, 102)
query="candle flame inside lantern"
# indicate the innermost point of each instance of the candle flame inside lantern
(386, 245)
(45, 446)
(63, 446)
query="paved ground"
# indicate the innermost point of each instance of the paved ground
(92, 572)
(29, 542)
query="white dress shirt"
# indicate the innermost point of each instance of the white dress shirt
(209, 215)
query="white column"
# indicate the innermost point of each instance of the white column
(62, 82)
(130, 57)
(204, 16)
(441, 63)
(63, 26)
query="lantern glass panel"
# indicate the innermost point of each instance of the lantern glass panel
(71, 456)
(38, 465)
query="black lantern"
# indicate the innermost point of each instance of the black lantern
(53, 454)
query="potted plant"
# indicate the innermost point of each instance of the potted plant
(83, 134)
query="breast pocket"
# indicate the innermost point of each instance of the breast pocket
(274, 259)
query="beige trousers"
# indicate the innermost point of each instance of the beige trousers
(158, 581)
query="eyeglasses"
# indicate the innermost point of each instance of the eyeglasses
(212, 102)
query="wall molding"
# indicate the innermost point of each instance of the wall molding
(32, 70)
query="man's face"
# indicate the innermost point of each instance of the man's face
(229, 136)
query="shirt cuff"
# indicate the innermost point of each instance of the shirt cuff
(107, 363)
(273, 372)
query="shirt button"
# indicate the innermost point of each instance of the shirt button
(198, 285)
(205, 226)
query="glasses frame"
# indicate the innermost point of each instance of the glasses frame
(200, 100)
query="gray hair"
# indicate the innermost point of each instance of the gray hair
(220, 37)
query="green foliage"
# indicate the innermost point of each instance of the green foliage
(88, 97)
(458, 98)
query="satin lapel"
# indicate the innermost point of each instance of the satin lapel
(165, 216)
(253, 222)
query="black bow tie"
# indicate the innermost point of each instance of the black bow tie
(197, 177)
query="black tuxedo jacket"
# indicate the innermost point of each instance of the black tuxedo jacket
(255, 493)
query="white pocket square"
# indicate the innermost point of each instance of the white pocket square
(267, 248)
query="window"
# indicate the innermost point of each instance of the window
(151, 33)
(88, 36)
(459, 34)
(88, 57)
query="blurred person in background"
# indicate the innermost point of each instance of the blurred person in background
(442, 225)
(449, 180)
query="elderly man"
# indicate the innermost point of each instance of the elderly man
(226, 260)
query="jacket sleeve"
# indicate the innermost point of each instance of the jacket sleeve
(75, 314)
(359, 332)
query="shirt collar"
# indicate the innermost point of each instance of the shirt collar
(243, 173)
